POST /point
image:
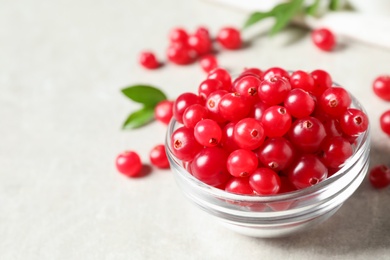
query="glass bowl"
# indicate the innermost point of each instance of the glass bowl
(275, 215)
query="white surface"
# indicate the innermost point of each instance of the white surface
(62, 64)
(367, 28)
(374, 6)
(369, 24)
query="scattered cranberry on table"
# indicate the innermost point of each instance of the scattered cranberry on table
(322, 81)
(381, 87)
(379, 176)
(302, 80)
(242, 163)
(129, 163)
(207, 132)
(299, 103)
(148, 60)
(385, 122)
(324, 39)
(178, 35)
(202, 31)
(180, 54)
(200, 43)
(229, 38)
(239, 186)
(158, 157)
(265, 181)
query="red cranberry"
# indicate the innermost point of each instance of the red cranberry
(385, 122)
(158, 157)
(334, 101)
(208, 62)
(200, 44)
(227, 141)
(233, 107)
(212, 105)
(252, 71)
(307, 171)
(148, 60)
(178, 35)
(129, 163)
(223, 76)
(381, 87)
(276, 153)
(299, 103)
(276, 121)
(248, 133)
(208, 133)
(208, 86)
(229, 38)
(307, 134)
(247, 86)
(274, 90)
(193, 114)
(335, 151)
(379, 176)
(323, 39)
(180, 54)
(275, 71)
(203, 32)
(204, 168)
(163, 111)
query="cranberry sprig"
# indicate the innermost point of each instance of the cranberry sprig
(286, 11)
(248, 134)
(149, 97)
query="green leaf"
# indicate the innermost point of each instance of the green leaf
(281, 8)
(284, 14)
(334, 5)
(256, 17)
(144, 94)
(312, 9)
(139, 118)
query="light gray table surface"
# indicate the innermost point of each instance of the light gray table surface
(62, 65)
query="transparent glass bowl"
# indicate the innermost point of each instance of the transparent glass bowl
(275, 215)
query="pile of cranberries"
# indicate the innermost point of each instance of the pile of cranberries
(185, 48)
(270, 131)
(265, 132)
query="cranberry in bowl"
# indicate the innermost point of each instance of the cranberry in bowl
(268, 171)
